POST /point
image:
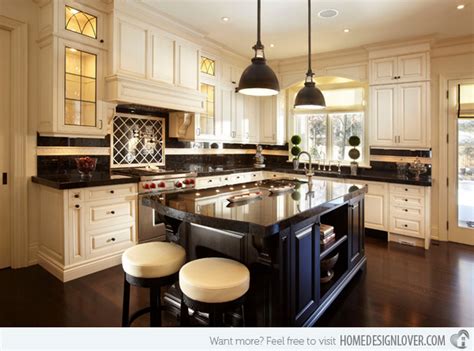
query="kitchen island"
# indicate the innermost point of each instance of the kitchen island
(277, 235)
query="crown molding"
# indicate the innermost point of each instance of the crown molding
(454, 41)
(390, 44)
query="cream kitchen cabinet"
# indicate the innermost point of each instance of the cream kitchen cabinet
(85, 230)
(399, 69)
(230, 74)
(376, 206)
(251, 120)
(272, 120)
(399, 115)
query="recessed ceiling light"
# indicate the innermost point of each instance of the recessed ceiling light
(328, 13)
(272, 45)
(347, 30)
(225, 19)
(460, 7)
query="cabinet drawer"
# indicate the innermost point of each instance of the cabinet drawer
(256, 176)
(405, 200)
(377, 189)
(109, 240)
(411, 227)
(102, 213)
(207, 182)
(110, 192)
(75, 195)
(407, 189)
(416, 212)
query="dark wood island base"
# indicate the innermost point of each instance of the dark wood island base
(280, 245)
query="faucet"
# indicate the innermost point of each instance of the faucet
(309, 172)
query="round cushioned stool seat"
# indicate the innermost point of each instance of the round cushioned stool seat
(153, 260)
(214, 280)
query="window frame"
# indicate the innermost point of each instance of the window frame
(365, 162)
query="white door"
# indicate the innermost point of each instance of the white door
(4, 148)
(383, 112)
(461, 162)
(411, 123)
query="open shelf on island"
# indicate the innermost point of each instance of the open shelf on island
(327, 249)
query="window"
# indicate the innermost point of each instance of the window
(325, 133)
(80, 88)
(208, 66)
(81, 22)
(207, 118)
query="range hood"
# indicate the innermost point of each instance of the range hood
(123, 89)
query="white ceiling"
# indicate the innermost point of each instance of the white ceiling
(284, 22)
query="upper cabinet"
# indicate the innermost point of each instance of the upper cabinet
(72, 68)
(399, 69)
(400, 97)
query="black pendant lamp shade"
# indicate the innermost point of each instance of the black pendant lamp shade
(258, 79)
(309, 97)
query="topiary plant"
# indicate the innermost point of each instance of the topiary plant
(296, 140)
(295, 150)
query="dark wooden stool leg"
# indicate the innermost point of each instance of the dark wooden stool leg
(154, 312)
(184, 314)
(126, 303)
(243, 315)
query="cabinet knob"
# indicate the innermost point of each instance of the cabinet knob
(77, 206)
(76, 196)
(113, 239)
(406, 199)
(112, 191)
(405, 225)
(101, 40)
(406, 189)
(112, 212)
(406, 210)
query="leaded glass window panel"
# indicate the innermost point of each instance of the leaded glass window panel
(208, 66)
(81, 22)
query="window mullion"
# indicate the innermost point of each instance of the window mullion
(328, 137)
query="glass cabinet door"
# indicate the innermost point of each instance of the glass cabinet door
(80, 107)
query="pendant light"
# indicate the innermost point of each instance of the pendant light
(258, 79)
(309, 97)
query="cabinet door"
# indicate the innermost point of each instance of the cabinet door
(188, 63)
(80, 89)
(304, 273)
(412, 68)
(383, 71)
(376, 206)
(412, 114)
(268, 120)
(230, 74)
(162, 58)
(251, 119)
(225, 120)
(131, 49)
(356, 239)
(383, 112)
(238, 117)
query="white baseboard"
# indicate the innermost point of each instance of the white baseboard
(72, 272)
(33, 254)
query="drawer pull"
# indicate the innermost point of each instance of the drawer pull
(111, 212)
(406, 189)
(77, 206)
(405, 225)
(112, 192)
(406, 199)
(406, 210)
(76, 196)
(209, 181)
(111, 239)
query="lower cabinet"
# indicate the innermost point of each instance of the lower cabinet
(357, 230)
(304, 272)
(85, 230)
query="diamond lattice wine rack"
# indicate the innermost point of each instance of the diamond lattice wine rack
(138, 141)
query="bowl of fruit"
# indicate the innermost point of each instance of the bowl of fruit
(86, 165)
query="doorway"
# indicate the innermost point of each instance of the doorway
(5, 88)
(461, 161)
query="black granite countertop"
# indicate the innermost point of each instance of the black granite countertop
(73, 180)
(263, 216)
(364, 174)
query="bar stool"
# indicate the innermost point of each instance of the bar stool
(213, 285)
(151, 265)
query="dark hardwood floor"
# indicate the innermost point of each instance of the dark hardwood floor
(402, 286)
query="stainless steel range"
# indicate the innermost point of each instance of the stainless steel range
(154, 180)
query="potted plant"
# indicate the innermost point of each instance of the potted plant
(295, 150)
(354, 154)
